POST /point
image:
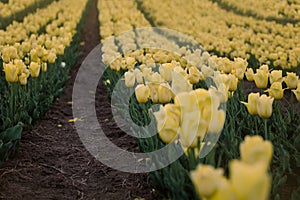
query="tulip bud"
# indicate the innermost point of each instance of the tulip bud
(265, 106)
(227, 65)
(142, 93)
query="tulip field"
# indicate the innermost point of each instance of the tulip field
(217, 80)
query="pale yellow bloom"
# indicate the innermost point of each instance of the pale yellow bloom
(249, 181)
(291, 80)
(276, 90)
(252, 103)
(165, 93)
(250, 74)
(129, 79)
(35, 69)
(206, 180)
(265, 106)
(276, 76)
(261, 78)
(142, 93)
(11, 72)
(255, 150)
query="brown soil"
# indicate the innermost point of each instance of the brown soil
(52, 163)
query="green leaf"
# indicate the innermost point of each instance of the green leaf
(13, 133)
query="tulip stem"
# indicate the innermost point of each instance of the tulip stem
(266, 129)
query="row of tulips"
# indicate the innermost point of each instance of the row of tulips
(227, 33)
(34, 71)
(275, 9)
(191, 84)
(13, 6)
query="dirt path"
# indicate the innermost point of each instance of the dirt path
(52, 162)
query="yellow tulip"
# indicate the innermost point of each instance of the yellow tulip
(276, 90)
(233, 81)
(35, 69)
(180, 83)
(291, 80)
(51, 57)
(206, 180)
(265, 106)
(261, 78)
(249, 181)
(255, 150)
(297, 92)
(44, 67)
(164, 93)
(34, 55)
(225, 191)
(250, 74)
(252, 103)
(129, 79)
(276, 76)
(165, 71)
(217, 121)
(154, 92)
(23, 79)
(240, 66)
(226, 65)
(194, 75)
(192, 130)
(11, 72)
(168, 119)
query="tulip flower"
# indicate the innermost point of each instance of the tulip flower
(34, 69)
(249, 181)
(168, 119)
(264, 106)
(276, 76)
(233, 81)
(194, 75)
(252, 103)
(249, 74)
(261, 78)
(276, 90)
(297, 92)
(255, 150)
(226, 65)
(206, 180)
(142, 93)
(23, 79)
(291, 80)
(11, 72)
(165, 71)
(154, 91)
(164, 93)
(51, 57)
(180, 83)
(129, 79)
